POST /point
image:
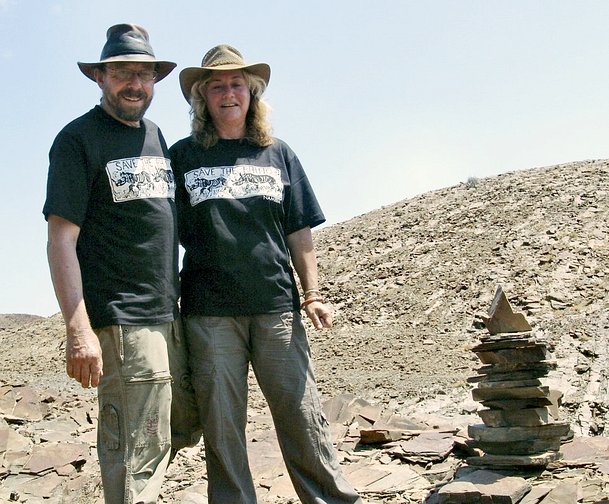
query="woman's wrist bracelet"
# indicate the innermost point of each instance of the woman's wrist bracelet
(311, 300)
(309, 291)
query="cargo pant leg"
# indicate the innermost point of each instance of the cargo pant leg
(281, 359)
(219, 358)
(134, 438)
(185, 424)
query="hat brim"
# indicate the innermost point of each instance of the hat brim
(190, 75)
(164, 68)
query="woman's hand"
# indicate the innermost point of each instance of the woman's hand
(320, 314)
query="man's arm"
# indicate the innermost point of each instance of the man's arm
(302, 252)
(83, 352)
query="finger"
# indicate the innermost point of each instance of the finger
(95, 379)
(76, 372)
(326, 320)
(96, 374)
(85, 376)
(316, 322)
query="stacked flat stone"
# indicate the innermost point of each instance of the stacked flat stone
(517, 429)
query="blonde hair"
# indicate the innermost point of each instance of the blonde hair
(257, 126)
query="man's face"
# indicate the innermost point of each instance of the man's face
(127, 90)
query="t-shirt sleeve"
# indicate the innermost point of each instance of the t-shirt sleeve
(68, 183)
(181, 197)
(300, 204)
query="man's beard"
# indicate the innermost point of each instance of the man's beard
(128, 113)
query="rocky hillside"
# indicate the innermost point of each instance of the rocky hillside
(410, 284)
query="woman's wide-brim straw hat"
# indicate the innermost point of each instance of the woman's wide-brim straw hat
(127, 43)
(221, 57)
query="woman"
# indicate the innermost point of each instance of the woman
(245, 211)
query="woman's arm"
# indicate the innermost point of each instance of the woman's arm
(302, 251)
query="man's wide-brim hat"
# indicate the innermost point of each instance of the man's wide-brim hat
(221, 57)
(127, 43)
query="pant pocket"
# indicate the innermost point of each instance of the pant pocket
(109, 429)
(149, 412)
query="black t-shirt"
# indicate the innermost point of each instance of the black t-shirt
(236, 205)
(115, 182)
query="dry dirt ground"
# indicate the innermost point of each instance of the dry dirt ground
(409, 284)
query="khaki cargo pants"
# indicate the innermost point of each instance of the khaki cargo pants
(134, 434)
(221, 350)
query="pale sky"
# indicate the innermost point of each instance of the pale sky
(381, 100)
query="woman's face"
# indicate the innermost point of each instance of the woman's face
(227, 97)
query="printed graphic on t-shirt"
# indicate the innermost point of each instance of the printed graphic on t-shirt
(234, 182)
(140, 178)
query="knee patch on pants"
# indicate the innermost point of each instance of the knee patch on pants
(109, 428)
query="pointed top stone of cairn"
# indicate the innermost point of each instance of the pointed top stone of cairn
(502, 318)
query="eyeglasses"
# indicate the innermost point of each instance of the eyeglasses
(124, 75)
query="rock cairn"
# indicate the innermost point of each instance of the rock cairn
(520, 420)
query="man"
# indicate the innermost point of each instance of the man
(113, 255)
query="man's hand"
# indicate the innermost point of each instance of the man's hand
(84, 358)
